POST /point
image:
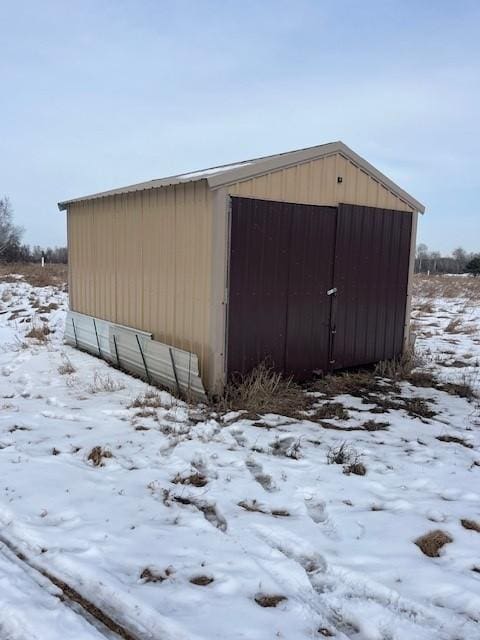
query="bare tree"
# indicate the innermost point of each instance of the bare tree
(461, 257)
(10, 234)
(422, 254)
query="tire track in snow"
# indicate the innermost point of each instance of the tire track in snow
(72, 599)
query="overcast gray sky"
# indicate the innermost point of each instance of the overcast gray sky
(102, 93)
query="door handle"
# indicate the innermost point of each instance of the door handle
(332, 292)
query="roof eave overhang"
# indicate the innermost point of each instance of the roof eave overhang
(141, 186)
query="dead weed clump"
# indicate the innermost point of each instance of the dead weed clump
(426, 306)
(289, 447)
(201, 581)
(252, 506)
(455, 440)
(359, 384)
(153, 575)
(39, 332)
(104, 383)
(261, 391)
(463, 389)
(357, 468)
(347, 456)
(342, 454)
(431, 543)
(373, 425)
(269, 600)
(471, 525)
(454, 326)
(418, 408)
(399, 368)
(419, 378)
(195, 479)
(151, 399)
(66, 368)
(331, 410)
(97, 455)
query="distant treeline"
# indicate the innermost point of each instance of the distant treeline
(11, 247)
(427, 261)
(25, 253)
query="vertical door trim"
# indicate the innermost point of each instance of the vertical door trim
(333, 302)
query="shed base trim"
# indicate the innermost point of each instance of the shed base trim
(136, 352)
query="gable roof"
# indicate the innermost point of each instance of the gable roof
(230, 173)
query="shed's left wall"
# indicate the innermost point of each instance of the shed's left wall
(143, 260)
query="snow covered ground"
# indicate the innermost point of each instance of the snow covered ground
(180, 524)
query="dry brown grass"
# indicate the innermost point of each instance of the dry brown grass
(39, 332)
(418, 408)
(342, 454)
(357, 468)
(104, 383)
(34, 274)
(425, 306)
(455, 440)
(454, 326)
(201, 581)
(97, 455)
(331, 410)
(399, 368)
(195, 479)
(66, 368)
(261, 391)
(360, 384)
(421, 378)
(464, 389)
(431, 543)
(471, 525)
(252, 506)
(47, 308)
(373, 425)
(269, 600)
(435, 286)
(153, 575)
(151, 399)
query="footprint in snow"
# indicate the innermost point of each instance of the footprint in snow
(63, 416)
(240, 439)
(315, 509)
(294, 548)
(263, 479)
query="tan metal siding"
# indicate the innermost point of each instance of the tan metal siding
(144, 260)
(315, 182)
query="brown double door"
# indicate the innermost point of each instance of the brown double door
(315, 288)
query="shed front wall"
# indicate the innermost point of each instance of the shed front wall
(144, 260)
(315, 182)
(311, 182)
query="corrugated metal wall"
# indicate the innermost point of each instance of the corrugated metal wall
(144, 260)
(315, 182)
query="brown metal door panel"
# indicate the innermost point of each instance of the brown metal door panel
(371, 273)
(310, 276)
(258, 284)
(281, 262)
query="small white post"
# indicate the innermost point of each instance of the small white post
(43, 260)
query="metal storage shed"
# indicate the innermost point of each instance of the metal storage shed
(304, 258)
